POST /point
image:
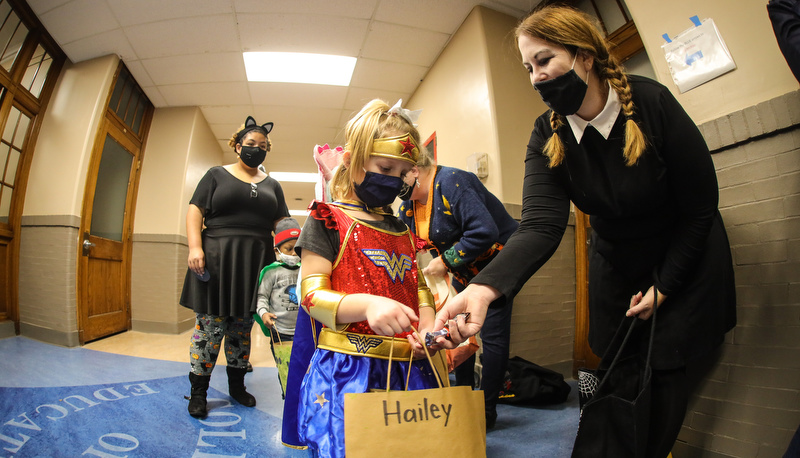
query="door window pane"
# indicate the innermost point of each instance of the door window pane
(5, 203)
(12, 35)
(36, 73)
(108, 212)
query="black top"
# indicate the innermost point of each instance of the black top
(659, 215)
(228, 202)
(237, 242)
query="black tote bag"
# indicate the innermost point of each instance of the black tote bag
(616, 419)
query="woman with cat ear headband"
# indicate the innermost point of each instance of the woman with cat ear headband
(229, 225)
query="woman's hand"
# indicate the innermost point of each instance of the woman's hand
(475, 300)
(641, 306)
(435, 268)
(197, 261)
(388, 317)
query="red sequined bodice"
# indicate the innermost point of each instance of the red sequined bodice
(372, 261)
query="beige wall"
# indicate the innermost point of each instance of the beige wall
(455, 97)
(761, 73)
(179, 150)
(478, 98)
(516, 105)
(64, 146)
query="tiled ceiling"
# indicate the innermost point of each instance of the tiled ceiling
(189, 53)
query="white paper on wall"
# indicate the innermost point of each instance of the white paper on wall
(697, 55)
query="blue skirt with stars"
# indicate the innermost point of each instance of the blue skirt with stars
(320, 412)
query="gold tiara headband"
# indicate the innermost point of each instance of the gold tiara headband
(403, 147)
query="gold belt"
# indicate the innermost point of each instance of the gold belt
(372, 346)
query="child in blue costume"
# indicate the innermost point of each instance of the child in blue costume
(361, 280)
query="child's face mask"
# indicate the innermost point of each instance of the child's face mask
(378, 190)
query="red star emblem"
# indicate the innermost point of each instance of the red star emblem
(408, 146)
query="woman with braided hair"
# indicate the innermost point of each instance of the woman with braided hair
(624, 151)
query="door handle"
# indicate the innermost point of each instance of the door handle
(87, 245)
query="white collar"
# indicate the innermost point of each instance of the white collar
(603, 122)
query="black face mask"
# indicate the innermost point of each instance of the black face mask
(406, 191)
(252, 156)
(563, 94)
(378, 190)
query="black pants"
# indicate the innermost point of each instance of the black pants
(495, 337)
(671, 390)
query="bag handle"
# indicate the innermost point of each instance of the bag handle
(410, 360)
(276, 334)
(622, 346)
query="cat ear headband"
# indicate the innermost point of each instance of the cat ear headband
(250, 125)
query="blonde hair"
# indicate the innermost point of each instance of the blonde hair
(576, 31)
(372, 122)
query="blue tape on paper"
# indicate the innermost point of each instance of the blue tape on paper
(695, 20)
(666, 37)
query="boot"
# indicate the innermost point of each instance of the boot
(197, 403)
(236, 387)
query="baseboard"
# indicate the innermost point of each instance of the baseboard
(7, 329)
(157, 327)
(51, 336)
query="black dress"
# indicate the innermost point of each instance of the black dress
(237, 242)
(655, 222)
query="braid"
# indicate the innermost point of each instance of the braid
(554, 148)
(635, 142)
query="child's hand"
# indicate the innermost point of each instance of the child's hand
(388, 317)
(418, 346)
(269, 319)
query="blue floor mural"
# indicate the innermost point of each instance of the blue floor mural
(72, 402)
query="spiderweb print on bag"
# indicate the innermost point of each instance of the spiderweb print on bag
(587, 386)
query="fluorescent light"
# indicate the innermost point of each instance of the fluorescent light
(292, 67)
(295, 176)
(298, 212)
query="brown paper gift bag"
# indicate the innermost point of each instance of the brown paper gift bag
(447, 420)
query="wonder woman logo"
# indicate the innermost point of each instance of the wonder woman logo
(395, 266)
(363, 343)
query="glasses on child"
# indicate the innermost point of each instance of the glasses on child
(253, 190)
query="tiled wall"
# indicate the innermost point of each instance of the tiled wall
(543, 320)
(47, 282)
(749, 405)
(158, 268)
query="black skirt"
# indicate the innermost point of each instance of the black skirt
(234, 258)
(690, 323)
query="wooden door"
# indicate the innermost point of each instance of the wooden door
(582, 354)
(104, 272)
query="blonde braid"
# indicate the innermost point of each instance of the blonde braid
(554, 148)
(635, 142)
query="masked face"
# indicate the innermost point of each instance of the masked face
(252, 156)
(552, 72)
(289, 260)
(563, 94)
(378, 190)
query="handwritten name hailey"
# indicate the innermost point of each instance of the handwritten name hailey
(422, 412)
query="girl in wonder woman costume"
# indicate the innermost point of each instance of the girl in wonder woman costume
(360, 279)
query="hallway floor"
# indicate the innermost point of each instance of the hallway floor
(124, 396)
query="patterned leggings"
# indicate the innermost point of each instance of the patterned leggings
(207, 339)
